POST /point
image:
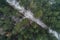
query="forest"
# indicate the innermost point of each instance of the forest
(11, 28)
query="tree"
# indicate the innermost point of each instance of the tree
(25, 30)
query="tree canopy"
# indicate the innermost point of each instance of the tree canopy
(42, 9)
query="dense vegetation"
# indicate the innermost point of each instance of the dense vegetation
(12, 29)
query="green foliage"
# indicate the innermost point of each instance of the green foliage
(42, 9)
